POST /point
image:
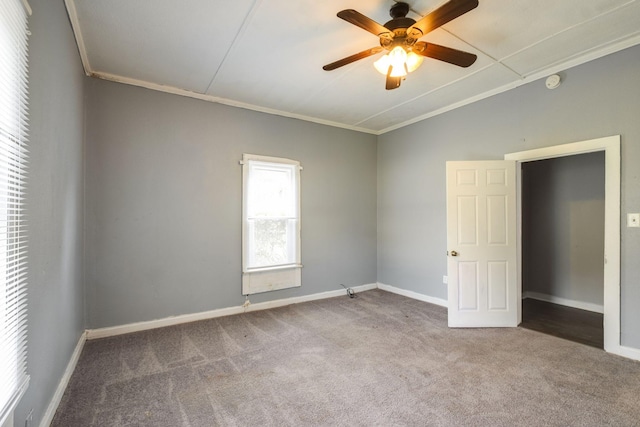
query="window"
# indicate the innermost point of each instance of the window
(13, 129)
(270, 224)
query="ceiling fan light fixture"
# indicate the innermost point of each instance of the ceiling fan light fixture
(382, 64)
(400, 61)
(400, 37)
(414, 61)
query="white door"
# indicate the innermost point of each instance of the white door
(481, 239)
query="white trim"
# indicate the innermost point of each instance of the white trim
(77, 33)
(628, 352)
(268, 159)
(413, 295)
(27, 7)
(161, 323)
(564, 150)
(611, 147)
(274, 268)
(7, 415)
(47, 418)
(246, 308)
(588, 306)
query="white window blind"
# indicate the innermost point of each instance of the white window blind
(13, 244)
(271, 224)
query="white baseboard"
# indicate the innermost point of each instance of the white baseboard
(47, 418)
(186, 318)
(413, 295)
(628, 352)
(161, 323)
(295, 300)
(596, 308)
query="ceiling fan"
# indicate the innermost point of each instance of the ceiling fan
(399, 37)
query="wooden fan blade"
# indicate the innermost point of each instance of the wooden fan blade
(367, 24)
(392, 82)
(445, 13)
(446, 54)
(352, 58)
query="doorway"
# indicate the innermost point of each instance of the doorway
(611, 270)
(563, 205)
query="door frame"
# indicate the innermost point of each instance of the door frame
(611, 147)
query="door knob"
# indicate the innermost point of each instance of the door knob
(454, 253)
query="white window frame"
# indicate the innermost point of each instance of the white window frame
(257, 279)
(13, 239)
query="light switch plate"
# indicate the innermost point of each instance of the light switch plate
(633, 220)
(445, 279)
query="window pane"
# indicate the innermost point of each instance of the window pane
(271, 191)
(272, 242)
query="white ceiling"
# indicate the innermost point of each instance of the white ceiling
(267, 55)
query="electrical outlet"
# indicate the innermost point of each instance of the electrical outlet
(633, 220)
(445, 279)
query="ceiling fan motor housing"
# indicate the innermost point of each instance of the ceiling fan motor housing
(398, 25)
(399, 10)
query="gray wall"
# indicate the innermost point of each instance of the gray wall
(54, 203)
(163, 216)
(596, 99)
(563, 227)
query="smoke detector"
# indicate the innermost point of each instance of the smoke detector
(552, 81)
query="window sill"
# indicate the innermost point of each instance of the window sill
(274, 268)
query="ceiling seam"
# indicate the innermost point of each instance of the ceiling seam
(424, 94)
(309, 99)
(442, 3)
(564, 30)
(597, 48)
(495, 60)
(243, 28)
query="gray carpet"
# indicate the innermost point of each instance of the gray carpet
(377, 360)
